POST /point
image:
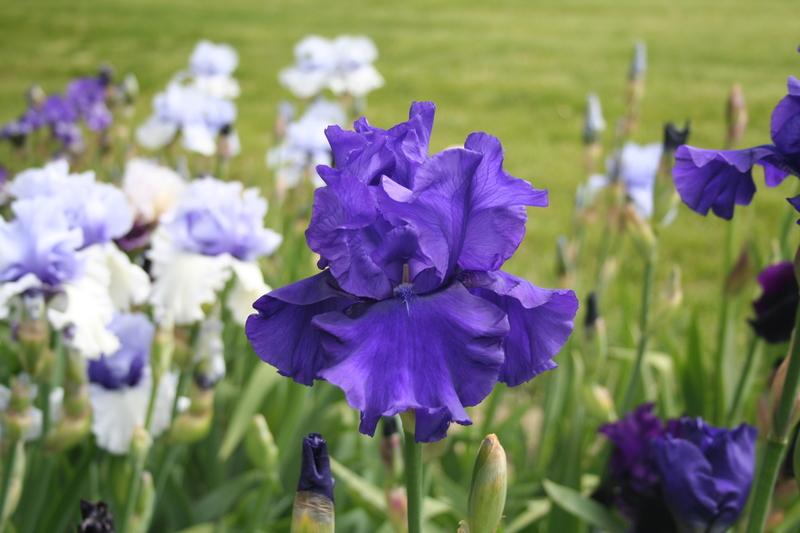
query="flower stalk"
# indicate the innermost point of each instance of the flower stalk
(412, 456)
(777, 441)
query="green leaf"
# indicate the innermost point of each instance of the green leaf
(693, 374)
(590, 511)
(261, 382)
(373, 498)
(535, 511)
(217, 502)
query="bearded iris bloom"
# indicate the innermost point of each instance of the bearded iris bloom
(682, 475)
(719, 180)
(411, 311)
(775, 309)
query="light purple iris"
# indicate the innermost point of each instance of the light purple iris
(41, 241)
(718, 180)
(125, 367)
(100, 210)
(216, 217)
(684, 470)
(411, 311)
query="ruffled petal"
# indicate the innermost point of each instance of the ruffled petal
(541, 321)
(437, 353)
(248, 285)
(785, 124)
(687, 482)
(129, 284)
(716, 180)
(281, 332)
(184, 281)
(496, 218)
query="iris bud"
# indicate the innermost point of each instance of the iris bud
(594, 124)
(140, 444)
(487, 493)
(163, 351)
(95, 518)
(397, 509)
(313, 502)
(17, 418)
(390, 447)
(736, 113)
(740, 274)
(261, 449)
(194, 424)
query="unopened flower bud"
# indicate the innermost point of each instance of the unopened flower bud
(17, 419)
(313, 502)
(674, 136)
(594, 124)
(487, 493)
(638, 62)
(737, 116)
(130, 87)
(397, 509)
(740, 274)
(194, 423)
(390, 447)
(640, 231)
(163, 351)
(36, 96)
(600, 402)
(592, 312)
(261, 448)
(95, 518)
(140, 444)
(778, 381)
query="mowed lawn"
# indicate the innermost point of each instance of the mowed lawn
(519, 70)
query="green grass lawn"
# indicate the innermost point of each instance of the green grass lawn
(519, 70)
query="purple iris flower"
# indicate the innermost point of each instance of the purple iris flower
(776, 308)
(125, 367)
(40, 240)
(411, 311)
(718, 180)
(683, 475)
(216, 217)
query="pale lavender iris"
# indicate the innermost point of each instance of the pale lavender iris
(216, 217)
(125, 367)
(41, 241)
(719, 180)
(100, 210)
(682, 475)
(411, 311)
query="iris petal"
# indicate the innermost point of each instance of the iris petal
(435, 353)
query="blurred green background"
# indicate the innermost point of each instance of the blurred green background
(519, 70)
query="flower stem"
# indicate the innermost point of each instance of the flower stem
(741, 385)
(412, 454)
(641, 348)
(777, 441)
(8, 473)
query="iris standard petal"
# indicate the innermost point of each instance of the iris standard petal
(438, 352)
(281, 332)
(785, 124)
(495, 224)
(541, 321)
(687, 482)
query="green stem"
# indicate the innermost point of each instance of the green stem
(412, 454)
(641, 348)
(8, 472)
(777, 442)
(720, 363)
(744, 378)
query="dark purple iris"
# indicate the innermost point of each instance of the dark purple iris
(718, 180)
(315, 470)
(126, 366)
(411, 311)
(776, 308)
(685, 471)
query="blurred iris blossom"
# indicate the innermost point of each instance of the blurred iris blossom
(304, 144)
(718, 180)
(197, 104)
(59, 246)
(776, 308)
(214, 234)
(211, 66)
(635, 167)
(411, 311)
(120, 385)
(85, 100)
(343, 65)
(682, 475)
